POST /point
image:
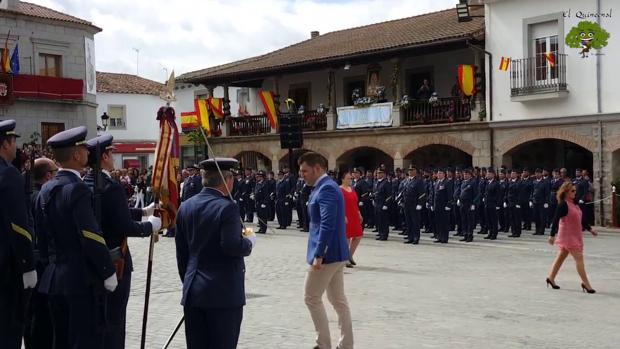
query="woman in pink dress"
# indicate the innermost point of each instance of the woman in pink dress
(568, 221)
(353, 217)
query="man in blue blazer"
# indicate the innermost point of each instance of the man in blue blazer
(210, 250)
(328, 252)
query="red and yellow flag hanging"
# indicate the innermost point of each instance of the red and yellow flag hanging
(6, 61)
(503, 65)
(202, 113)
(467, 81)
(216, 105)
(189, 121)
(164, 180)
(270, 107)
(551, 58)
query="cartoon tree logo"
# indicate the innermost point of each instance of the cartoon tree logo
(586, 36)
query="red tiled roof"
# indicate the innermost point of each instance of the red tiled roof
(127, 83)
(33, 10)
(431, 28)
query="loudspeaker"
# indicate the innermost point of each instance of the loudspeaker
(291, 135)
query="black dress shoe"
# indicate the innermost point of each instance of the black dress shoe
(352, 262)
(415, 243)
(463, 239)
(407, 242)
(437, 241)
(488, 237)
(281, 228)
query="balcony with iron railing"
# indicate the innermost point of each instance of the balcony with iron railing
(437, 111)
(539, 77)
(253, 125)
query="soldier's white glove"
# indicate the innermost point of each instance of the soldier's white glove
(546, 205)
(472, 208)
(241, 200)
(505, 205)
(447, 208)
(384, 208)
(518, 206)
(30, 279)
(149, 210)
(361, 203)
(286, 204)
(531, 204)
(428, 205)
(497, 208)
(484, 200)
(581, 201)
(252, 197)
(111, 283)
(148, 189)
(432, 208)
(418, 208)
(458, 202)
(252, 239)
(263, 206)
(155, 223)
(235, 201)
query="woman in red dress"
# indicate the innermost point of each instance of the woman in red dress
(353, 217)
(568, 221)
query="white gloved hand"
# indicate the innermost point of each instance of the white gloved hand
(518, 206)
(286, 204)
(30, 279)
(149, 210)
(458, 202)
(428, 205)
(472, 207)
(484, 200)
(531, 204)
(447, 208)
(263, 206)
(505, 205)
(155, 223)
(497, 208)
(235, 201)
(546, 205)
(384, 208)
(581, 201)
(360, 204)
(241, 200)
(111, 283)
(148, 189)
(418, 208)
(432, 209)
(252, 239)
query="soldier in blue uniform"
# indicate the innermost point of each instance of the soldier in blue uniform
(261, 198)
(370, 180)
(554, 186)
(238, 188)
(248, 188)
(299, 184)
(304, 197)
(479, 201)
(282, 193)
(429, 224)
(271, 189)
(382, 193)
(192, 184)
(80, 270)
(467, 193)
(456, 210)
(414, 197)
(513, 195)
(504, 217)
(288, 202)
(16, 250)
(210, 250)
(538, 201)
(527, 187)
(582, 186)
(363, 191)
(118, 222)
(442, 205)
(492, 203)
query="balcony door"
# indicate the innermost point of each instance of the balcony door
(545, 71)
(48, 129)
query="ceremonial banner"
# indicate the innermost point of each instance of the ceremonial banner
(467, 81)
(503, 65)
(216, 106)
(202, 113)
(15, 60)
(189, 121)
(6, 61)
(164, 179)
(270, 108)
(551, 58)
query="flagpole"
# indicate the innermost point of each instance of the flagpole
(147, 292)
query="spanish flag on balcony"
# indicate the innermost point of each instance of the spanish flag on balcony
(189, 121)
(202, 114)
(467, 81)
(216, 106)
(503, 65)
(270, 108)
(550, 58)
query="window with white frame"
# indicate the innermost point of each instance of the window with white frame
(544, 50)
(118, 118)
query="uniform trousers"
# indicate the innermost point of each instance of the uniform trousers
(241, 205)
(213, 328)
(78, 321)
(281, 213)
(540, 218)
(412, 222)
(442, 222)
(249, 210)
(10, 332)
(516, 220)
(263, 216)
(526, 215)
(492, 220)
(39, 332)
(468, 219)
(116, 306)
(382, 221)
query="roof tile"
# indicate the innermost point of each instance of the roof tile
(127, 83)
(34, 10)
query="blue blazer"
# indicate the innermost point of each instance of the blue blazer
(327, 237)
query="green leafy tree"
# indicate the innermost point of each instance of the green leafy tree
(588, 34)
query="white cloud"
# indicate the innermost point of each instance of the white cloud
(187, 35)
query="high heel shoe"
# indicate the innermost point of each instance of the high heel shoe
(553, 285)
(585, 289)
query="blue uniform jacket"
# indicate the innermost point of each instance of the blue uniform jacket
(70, 238)
(467, 192)
(327, 226)
(493, 194)
(210, 251)
(540, 191)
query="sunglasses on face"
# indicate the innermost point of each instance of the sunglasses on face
(573, 190)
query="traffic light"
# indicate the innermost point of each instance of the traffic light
(291, 136)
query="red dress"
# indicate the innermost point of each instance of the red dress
(352, 212)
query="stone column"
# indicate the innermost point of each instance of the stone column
(397, 116)
(275, 163)
(226, 127)
(332, 116)
(399, 162)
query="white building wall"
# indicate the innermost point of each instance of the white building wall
(504, 38)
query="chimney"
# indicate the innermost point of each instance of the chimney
(314, 34)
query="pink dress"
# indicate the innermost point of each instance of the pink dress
(570, 237)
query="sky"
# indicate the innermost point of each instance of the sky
(196, 34)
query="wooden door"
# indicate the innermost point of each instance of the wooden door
(48, 129)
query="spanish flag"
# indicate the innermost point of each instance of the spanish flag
(216, 105)
(189, 121)
(467, 81)
(6, 61)
(202, 114)
(503, 65)
(270, 108)
(551, 58)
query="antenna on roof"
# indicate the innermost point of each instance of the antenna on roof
(137, 60)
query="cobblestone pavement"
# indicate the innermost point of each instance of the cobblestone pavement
(478, 295)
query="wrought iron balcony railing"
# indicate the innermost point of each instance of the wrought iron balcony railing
(536, 75)
(443, 110)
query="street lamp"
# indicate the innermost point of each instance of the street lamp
(104, 120)
(462, 11)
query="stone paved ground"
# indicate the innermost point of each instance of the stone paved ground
(478, 295)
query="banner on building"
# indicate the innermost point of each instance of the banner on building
(216, 105)
(91, 74)
(189, 121)
(467, 81)
(504, 64)
(266, 98)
